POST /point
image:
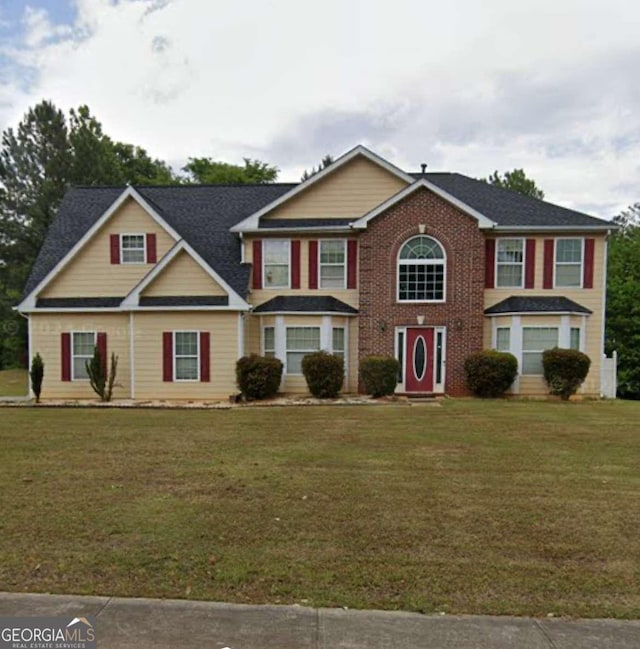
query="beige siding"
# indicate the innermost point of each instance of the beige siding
(183, 276)
(593, 299)
(349, 192)
(91, 273)
(258, 296)
(223, 328)
(45, 339)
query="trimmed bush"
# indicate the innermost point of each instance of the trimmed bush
(379, 375)
(258, 377)
(101, 378)
(324, 374)
(564, 370)
(490, 373)
(37, 375)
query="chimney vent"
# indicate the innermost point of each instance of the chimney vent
(424, 167)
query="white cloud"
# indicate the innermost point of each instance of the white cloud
(463, 85)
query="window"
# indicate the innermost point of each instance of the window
(421, 271)
(534, 341)
(83, 346)
(132, 249)
(269, 341)
(503, 339)
(569, 262)
(186, 352)
(300, 341)
(509, 263)
(276, 263)
(338, 343)
(332, 263)
(574, 338)
(400, 355)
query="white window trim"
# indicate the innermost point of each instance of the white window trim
(144, 248)
(437, 387)
(263, 347)
(345, 351)
(535, 351)
(523, 263)
(423, 262)
(175, 355)
(344, 264)
(82, 379)
(565, 263)
(264, 264)
(495, 337)
(299, 351)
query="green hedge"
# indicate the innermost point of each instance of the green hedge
(565, 370)
(379, 375)
(324, 374)
(258, 377)
(490, 373)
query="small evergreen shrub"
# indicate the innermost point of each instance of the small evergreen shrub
(379, 375)
(490, 373)
(37, 375)
(564, 370)
(324, 374)
(101, 378)
(258, 377)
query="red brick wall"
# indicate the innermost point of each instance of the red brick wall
(461, 313)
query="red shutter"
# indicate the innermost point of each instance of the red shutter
(352, 263)
(114, 247)
(65, 356)
(589, 247)
(313, 264)
(204, 357)
(489, 263)
(549, 261)
(530, 264)
(152, 253)
(167, 356)
(257, 263)
(295, 264)
(101, 344)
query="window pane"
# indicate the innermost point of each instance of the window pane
(332, 276)
(568, 275)
(276, 275)
(269, 339)
(421, 282)
(83, 343)
(539, 338)
(332, 252)
(532, 363)
(303, 338)
(510, 250)
(509, 275)
(574, 338)
(400, 356)
(294, 362)
(422, 248)
(186, 369)
(276, 252)
(186, 343)
(133, 256)
(132, 241)
(80, 367)
(569, 250)
(503, 339)
(338, 339)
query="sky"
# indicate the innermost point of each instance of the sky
(551, 86)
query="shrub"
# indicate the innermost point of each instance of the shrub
(490, 373)
(101, 378)
(37, 375)
(324, 374)
(258, 377)
(564, 370)
(379, 375)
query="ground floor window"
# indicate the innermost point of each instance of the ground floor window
(82, 349)
(503, 339)
(535, 340)
(269, 341)
(186, 355)
(300, 341)
(338, 343)
(574, 338)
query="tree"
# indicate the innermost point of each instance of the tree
(210, 171)
(623, 301)
(517, 181)
(324, 163)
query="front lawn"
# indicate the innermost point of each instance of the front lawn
(522, 508)
(14, 383)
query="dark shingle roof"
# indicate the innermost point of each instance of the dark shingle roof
(304, 223)
(509, 208)
(185, 300)
(304, 304)
(78, 302)
(537, 304)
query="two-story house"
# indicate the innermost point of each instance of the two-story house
(362, 258)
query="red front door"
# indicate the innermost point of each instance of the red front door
(419, 360)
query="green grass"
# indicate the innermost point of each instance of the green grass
(522, 508)
(14, 383)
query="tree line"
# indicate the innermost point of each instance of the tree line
(50, 151)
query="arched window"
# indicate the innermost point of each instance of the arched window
(421, 271)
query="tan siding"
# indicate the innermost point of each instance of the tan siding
(46, 330)
(591, 298)
(258, 296)
(349, 192)
(183, 276)
(223, 328)
(91, 273)
(252, 335)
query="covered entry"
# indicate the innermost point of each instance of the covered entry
(421, 353)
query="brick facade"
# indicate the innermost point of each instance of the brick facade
(462, 311)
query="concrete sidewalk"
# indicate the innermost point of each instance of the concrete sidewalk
(180, 624)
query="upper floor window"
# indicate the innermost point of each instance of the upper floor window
(133, 249)
(568, 263)
(277, 255)
(83, 346)
(421, 271)
(509, 263)
(333, 263)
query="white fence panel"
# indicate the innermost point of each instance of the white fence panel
(609, 376)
